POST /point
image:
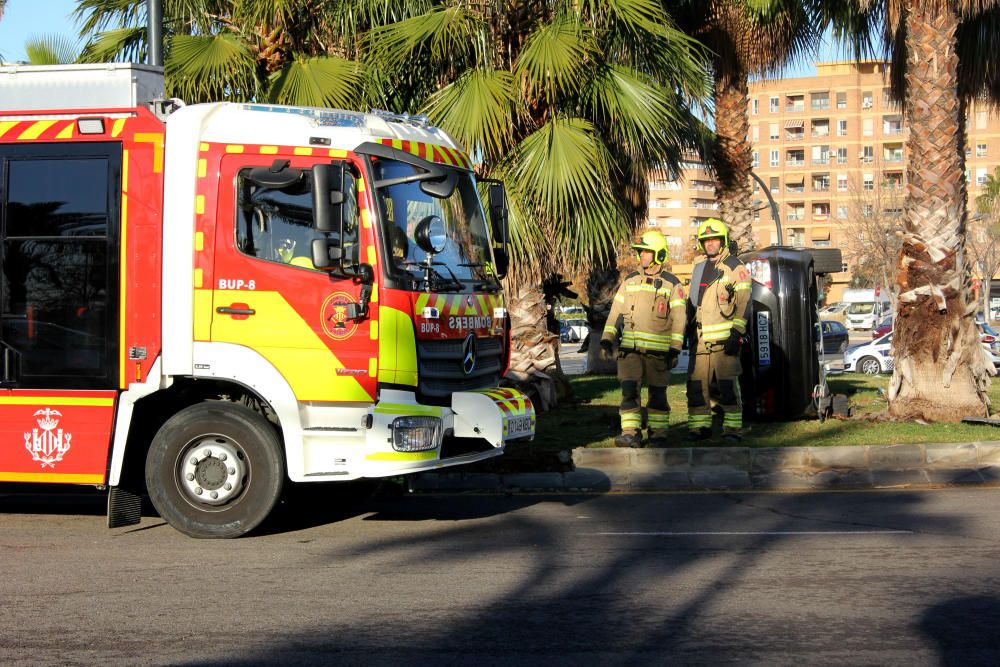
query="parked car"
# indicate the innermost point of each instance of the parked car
(835, 336)
(870, 358)
(572, 331)
(836, 312)
(883, 327)
(989, 337)
(876, 357)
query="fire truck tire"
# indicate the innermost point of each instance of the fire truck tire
(215, 470)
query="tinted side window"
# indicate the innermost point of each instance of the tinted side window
(57, 197)
(276, 223)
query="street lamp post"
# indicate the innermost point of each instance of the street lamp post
(774, 206)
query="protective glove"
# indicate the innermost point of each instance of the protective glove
(732, 345)
(606, 350)
(672, 356)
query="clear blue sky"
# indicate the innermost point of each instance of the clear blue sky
(24, 19)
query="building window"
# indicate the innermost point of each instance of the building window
(775, 184)
(841, 128)
(841, 156)
(773, 131)
(866, 100)
(867, 210)
(980, 120)
(868, 127)
(755, 133)
(842, 212)
(774, 158)
(980, 176)
(774, 102)
(980, 150)
(755, 106)
(755, 159)
(869, 182)
(868, 154)
(841, 100)
(841, 182)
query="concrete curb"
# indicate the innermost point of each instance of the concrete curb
(746, 468)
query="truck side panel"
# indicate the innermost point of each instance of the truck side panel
(79, 284)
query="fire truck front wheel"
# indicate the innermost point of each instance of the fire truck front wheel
(215, 470)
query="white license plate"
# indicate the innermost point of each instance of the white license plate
(763, 338)
(518, 427)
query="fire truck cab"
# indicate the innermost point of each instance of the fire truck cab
(207, 302)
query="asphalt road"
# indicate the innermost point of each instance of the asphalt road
(909, 578)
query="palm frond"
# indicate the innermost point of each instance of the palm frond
(51, 50)
(120, 45)
(210, 68)
(565, 163)
(319, 82)
(555, 56)
(477, 109)
(443, 34)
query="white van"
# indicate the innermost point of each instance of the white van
(865, 307)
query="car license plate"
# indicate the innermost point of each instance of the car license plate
(764, 338)
(518, 427)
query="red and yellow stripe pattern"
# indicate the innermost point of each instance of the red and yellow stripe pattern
(432, 152)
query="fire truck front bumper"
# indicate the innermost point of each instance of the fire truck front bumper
(407, 437)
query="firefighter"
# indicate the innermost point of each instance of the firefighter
(647, 320)
(718, 308)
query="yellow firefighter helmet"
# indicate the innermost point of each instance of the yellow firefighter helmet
(713, 228)
(655, 242)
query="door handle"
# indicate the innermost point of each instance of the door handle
(233, 310)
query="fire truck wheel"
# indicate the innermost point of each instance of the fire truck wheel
(215, 470)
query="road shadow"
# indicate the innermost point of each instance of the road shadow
(562, 611)
(966, 630)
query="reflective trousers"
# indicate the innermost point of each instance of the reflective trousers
(714, 381)
(634, 370)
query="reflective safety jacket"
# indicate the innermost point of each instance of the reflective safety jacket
(718, 302)
(647, 314)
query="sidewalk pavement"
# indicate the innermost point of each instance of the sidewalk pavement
(742, 468)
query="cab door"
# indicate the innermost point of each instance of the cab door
(60, 213)
(268, 296)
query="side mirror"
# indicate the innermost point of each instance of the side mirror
(502, 262)
(325, 255)
(431, 235)
(498, 213)
(330, 190)
(440, 188)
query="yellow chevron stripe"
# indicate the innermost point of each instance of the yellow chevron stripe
(35, 129)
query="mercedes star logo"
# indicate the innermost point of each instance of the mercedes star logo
(469, 354)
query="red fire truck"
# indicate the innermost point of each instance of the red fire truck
(204, 302)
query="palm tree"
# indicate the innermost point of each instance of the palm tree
(745, 37)
(283, 51)
(51, 50)
(572, 105)
(940, 61)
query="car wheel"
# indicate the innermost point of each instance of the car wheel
(869, 366)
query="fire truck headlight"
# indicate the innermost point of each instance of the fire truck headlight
(415, 434)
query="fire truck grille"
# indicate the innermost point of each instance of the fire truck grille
(441, 372)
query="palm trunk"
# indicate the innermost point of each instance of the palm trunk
(940, 369)
(602, 283)
(534, 355)
(734, 159)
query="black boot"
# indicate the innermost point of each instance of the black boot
(697, 434)
(628, 440)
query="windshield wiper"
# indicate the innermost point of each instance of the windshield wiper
(488, 283)
(453, 281)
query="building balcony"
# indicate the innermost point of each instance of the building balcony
(821, 160)
(821, 187)
(793, 162)
(820, 105)
(795, 188)
(892, 131)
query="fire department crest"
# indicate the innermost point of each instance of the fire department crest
(334, 316)
(48, 443)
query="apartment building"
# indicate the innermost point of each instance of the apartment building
(831, 149)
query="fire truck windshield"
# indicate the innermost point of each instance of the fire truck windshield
(466, 260)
